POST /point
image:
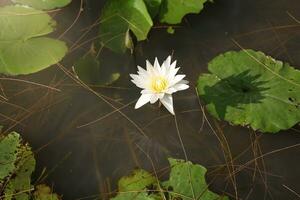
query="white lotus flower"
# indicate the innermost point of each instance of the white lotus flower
(159, 83)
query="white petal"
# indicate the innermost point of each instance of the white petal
(138, 84)
(163, 70)
(141, 71)
(168, 62)
(183, 82)
(156, 65)
(171, 90)
(154, 98)
(179, 87)
(136, 79)
(150, 68)
(145, 98)
(148, 64)
(166, 66)
(172, 73)
(173, 65)
(167, 101)
(146, 91)
(177, 79)
(161, 95)
(134, 76)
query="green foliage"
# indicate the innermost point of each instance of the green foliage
(153, 6)
(135, 186)
(250, 88)
(88, 70)
(44, 4)
(172, 11)
(24, 49)
(19, 186)
(17, 165)
(187, 181)
(120, 17)
(9, 149)
(171, 30)
(137, 181)
(43, 192)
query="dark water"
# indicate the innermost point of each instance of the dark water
(86, 162)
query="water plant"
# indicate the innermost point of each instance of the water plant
(120, 19)
(17, 165)
(249, 88)
(159, 82)
(25, 48)
(186, 181)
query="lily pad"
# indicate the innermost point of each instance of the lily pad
(23, 50)
(135, 187)
(88, 70)
(17, 164)
(44, 4)
(139, 180)
(118, 19)
(172, 11)
(19, 186)
(250, 88)
(9, 147)
(153, 7)
(187, 181)
(43, 192)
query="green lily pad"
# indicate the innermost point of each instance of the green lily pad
(43, 4)
(153, 6)
(187, 181)
(43, 192)
(118, 19)
(19, 186)
(139, 180)
(9, 146)
(250, 88)
(17, 164)
(172, 11)
(88, 70)
(135, 187)
(23, 50)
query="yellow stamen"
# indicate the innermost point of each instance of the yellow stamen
(159, 84)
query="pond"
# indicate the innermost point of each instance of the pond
(86, 138)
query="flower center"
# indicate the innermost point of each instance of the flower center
(159, 84)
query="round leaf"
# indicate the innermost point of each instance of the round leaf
(138, 181)
(44, 4)
(153, 6)
(135, 186)
(21, 181)
(187, 181)
(22, 49)
(9, 147)
(118, 17)
(250, 88)
(173, 11)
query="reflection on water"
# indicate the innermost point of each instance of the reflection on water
(85, 159)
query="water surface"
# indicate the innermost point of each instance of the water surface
(85, 161)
